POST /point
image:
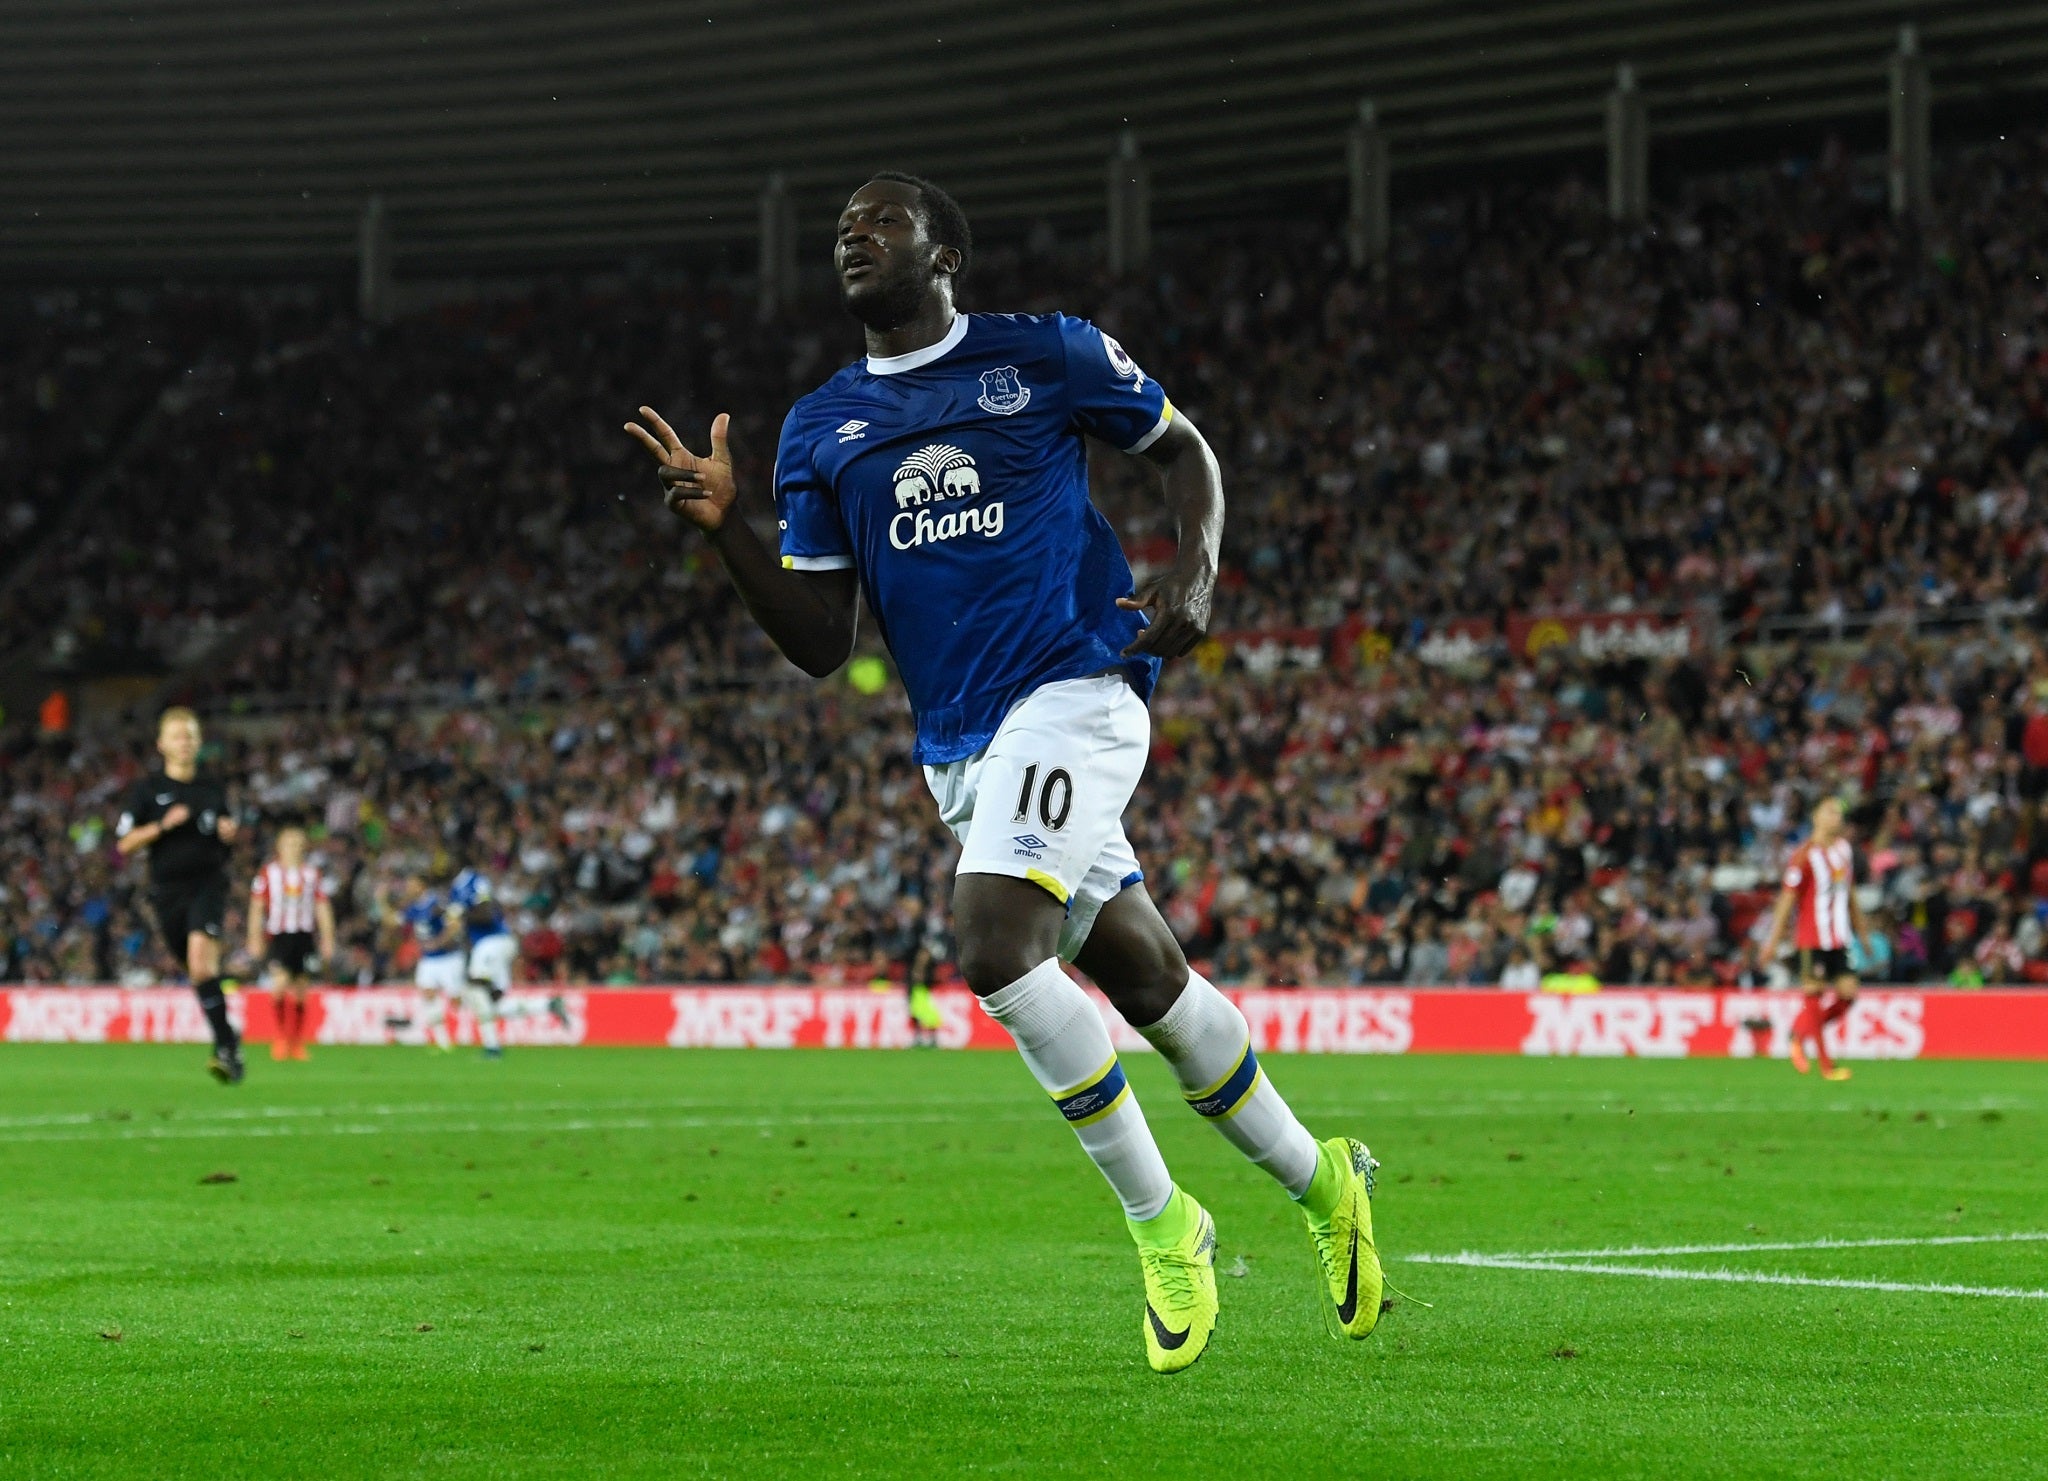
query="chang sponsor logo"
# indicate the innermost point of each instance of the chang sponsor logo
(936, 474)
(908, 531)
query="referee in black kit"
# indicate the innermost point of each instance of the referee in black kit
(183, 820)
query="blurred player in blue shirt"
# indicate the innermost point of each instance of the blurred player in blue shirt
(493, 950)
(439, 974)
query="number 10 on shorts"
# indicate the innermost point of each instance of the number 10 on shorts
(1055, 797)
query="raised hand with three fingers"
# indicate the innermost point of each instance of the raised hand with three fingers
(701, 490)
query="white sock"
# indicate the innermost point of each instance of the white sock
(434, 1008)
(1064, 1044)
(1209, 1045)
(486, 1014)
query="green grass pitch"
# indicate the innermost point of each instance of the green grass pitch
(630, 1263)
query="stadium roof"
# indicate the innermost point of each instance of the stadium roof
(215, 134)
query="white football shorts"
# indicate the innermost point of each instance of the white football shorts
(491, 959)
(439, 971)
(1044, 800)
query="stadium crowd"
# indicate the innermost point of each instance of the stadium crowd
(1407, 823)
(429, 549)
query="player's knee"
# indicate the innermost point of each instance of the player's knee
(1134, 957)
(1159, 973)
(992, 963)
(1004, 927)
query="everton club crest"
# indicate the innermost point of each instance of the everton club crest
(1004, 392)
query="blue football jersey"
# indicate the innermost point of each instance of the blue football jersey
(427, 919)
(954, 480)
(470, 893)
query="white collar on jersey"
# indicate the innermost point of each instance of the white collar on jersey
(897, 364)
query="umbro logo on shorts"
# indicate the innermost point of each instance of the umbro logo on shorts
(1029, 840)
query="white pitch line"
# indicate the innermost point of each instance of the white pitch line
(176, 1132)
(1406, 1106)
(1639, 1250)
(1733, 1277)
(434, 1108)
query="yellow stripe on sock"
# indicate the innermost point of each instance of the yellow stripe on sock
(1245, 1099)
(1108, 1110)
(1094, 1079)
(1235, 1065)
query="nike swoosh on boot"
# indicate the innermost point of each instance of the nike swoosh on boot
(1172, 1341)
(1348, 1307)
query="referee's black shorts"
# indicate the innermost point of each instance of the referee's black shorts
(183, 906)
(1829, 964)
(291, 950)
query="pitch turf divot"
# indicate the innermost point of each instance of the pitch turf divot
(1596, 1262)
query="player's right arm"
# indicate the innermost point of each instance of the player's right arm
(1781, 916)
(129, 835)
(811, 615)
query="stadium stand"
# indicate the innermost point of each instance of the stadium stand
(1764, 478)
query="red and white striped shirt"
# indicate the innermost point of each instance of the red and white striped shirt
(1823, 878)
(287, 897)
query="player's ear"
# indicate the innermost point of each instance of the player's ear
(947, 261)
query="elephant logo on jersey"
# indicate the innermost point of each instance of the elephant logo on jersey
(1003, 391)
(936, 471)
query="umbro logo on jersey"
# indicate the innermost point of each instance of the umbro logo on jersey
(853, 431)
(1003, 391)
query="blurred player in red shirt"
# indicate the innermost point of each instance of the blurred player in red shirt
(1820, 891)
(291, 926)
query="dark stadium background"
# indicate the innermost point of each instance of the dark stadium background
(320, 323)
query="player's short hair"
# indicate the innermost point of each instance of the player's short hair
(944, 221)
(174, 714)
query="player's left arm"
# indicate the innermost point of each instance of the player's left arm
(1859, 923)
(323, 917)
(1180, 598)
(257, 902)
